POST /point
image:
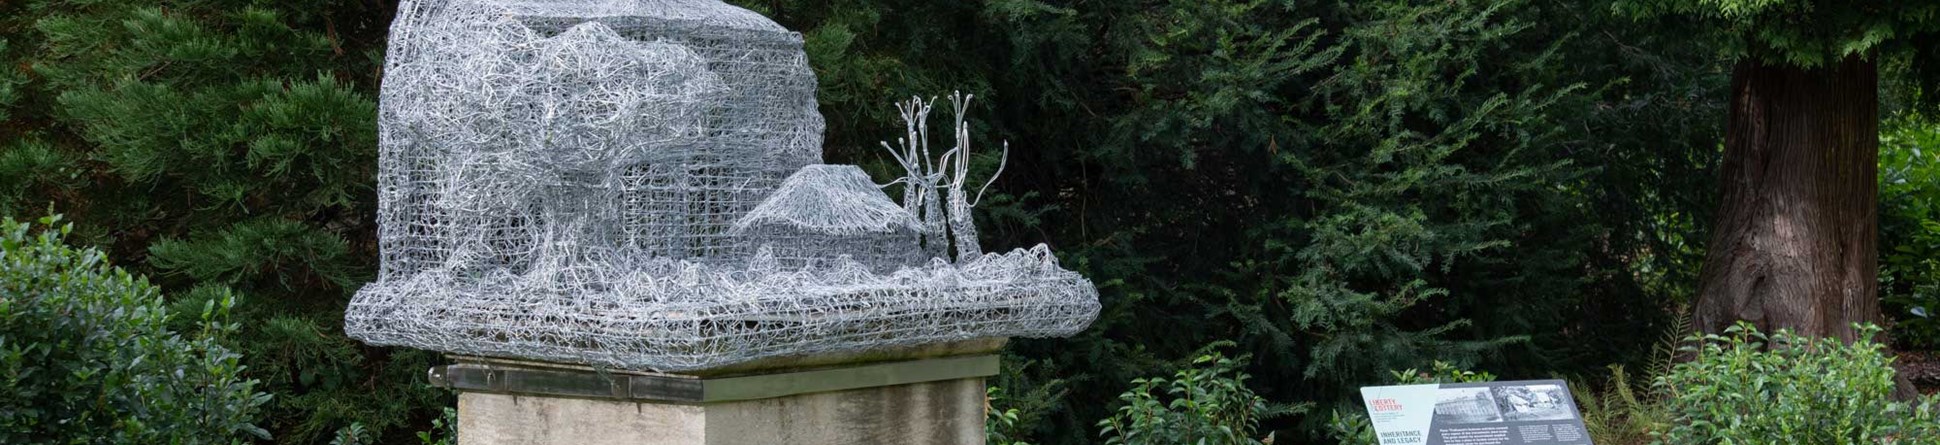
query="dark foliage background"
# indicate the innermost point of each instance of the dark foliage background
(1340, 188)
(222, 144)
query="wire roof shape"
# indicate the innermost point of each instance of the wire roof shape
(691, 13)
(834, 199)
(637, 184)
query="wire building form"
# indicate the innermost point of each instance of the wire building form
(637, 184)
(824, 209)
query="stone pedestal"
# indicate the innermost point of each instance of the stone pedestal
(925, 395)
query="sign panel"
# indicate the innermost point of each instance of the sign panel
(1526, 412)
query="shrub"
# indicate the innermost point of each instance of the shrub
(444, 431)
(87, 356)
(1909, 228)
(1209, 404)
(1747, 387)
(1020, 405)
(1000, 423)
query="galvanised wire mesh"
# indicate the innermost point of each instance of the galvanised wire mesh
(637, 184)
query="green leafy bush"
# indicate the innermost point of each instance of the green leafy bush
(1909, 227)
(1746, 387)
(1017, 406)
(444, 429)
(1729, 391)
(1000, 423)
(1207, 403)
(87, 356)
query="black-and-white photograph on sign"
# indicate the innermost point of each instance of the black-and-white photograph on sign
(1466, 405)
(1531, 412)
(1533, 402)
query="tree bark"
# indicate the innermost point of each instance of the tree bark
(1795, 244)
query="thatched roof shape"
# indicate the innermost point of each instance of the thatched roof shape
(700, 13)
(830, 199)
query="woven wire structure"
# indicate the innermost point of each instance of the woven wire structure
(637, 184)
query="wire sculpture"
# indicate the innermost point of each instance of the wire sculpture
(637, 184)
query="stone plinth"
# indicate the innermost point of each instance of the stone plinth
(922, 395)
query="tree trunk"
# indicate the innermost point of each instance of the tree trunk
(963, 226)
(1795, 241)
(1795, 244)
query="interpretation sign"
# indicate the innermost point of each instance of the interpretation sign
(1526, 412)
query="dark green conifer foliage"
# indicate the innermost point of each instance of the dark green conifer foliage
(1342, 188)
(222, 144)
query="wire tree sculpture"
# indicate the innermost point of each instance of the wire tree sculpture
(925, 179)
(638, 184)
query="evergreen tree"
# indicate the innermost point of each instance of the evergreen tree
(222, 144)
(1343, 188)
